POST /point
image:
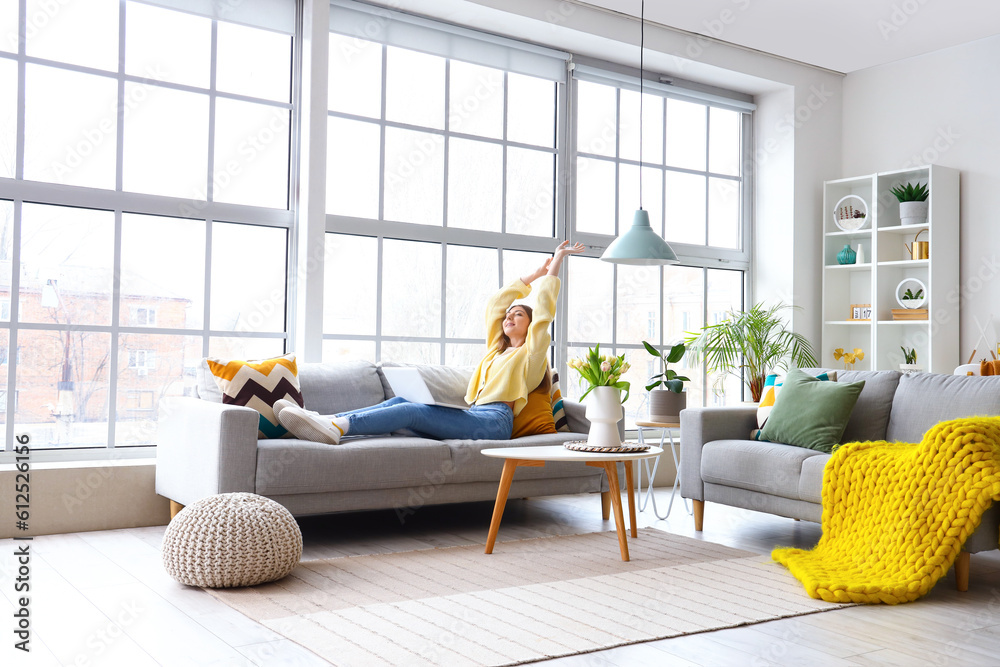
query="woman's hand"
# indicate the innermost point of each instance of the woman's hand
(551, 264)
(563, 250)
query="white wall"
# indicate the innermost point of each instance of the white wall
(940, 108)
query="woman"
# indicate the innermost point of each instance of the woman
(517, 341)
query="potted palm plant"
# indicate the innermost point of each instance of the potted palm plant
(912, 203)
(666, 390)
(751, 344)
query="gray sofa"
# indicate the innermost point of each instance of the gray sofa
(206, 448)
(720, 464)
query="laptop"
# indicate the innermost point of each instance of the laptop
(409, 384)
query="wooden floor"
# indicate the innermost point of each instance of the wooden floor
(102, 598)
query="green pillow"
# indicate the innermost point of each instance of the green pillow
(811, 413)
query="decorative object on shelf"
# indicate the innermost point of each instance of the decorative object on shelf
(912, 203)
(751, 344)
(910, 361)
(909, 297)
(860, 254)
(861, 312)
(909, 314)
(850, 213)
(847, 255)
(850, 358)
(639, 244)
(604, 409)
(666, 403)
(623, 448)
(919, 249)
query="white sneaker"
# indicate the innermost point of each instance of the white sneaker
(283, 403)
(307, 425)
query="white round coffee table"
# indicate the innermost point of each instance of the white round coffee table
(537, 456)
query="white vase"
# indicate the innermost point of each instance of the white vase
(860, 255)
(604, 410)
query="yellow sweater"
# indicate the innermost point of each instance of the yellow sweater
(520, 371)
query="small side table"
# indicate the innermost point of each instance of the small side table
(665, 434)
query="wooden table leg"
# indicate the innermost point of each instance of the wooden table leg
(611, 468)
(509, 466)
(631, 495)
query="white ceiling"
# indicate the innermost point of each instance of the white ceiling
(841, 35)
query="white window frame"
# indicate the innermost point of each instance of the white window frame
(19, 191)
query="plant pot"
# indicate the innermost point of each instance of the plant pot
(666, 405)
(911, 304)
(910, 368)
(604, 410)
(913, 212)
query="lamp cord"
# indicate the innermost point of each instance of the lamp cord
(642, 49)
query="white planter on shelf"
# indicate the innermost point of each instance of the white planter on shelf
(913, 212)
(910, 368)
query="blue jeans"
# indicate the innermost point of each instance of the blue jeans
(493, 421)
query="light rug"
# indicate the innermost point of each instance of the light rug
(529, 600)
(895, 515)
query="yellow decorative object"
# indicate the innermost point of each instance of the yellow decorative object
(850, 358)
(895, 515)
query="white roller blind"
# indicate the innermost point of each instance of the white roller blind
(731, 101)
(277, 15)
(386, 26)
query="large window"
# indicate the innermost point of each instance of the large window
(149, 162)
(441, 185)
(693, 189)
(144, 208)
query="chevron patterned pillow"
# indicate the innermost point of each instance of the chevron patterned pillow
(259, 385)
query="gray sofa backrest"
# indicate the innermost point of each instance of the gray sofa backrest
(870, 417)
(924, 399)
(329, 388)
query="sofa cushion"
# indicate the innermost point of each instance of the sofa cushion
(258, 385)
(535, 418)
(329, 388)
(300, 466)
(811, 479)
(870, 417)
(811, 413)
(765, 467)
(924, 399)
(472, 466)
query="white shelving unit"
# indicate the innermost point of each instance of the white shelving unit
(887, 263)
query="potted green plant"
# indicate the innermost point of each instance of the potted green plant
(912, 203)
(751, 344)
(910, 359)
(911, 299)
(666, 390)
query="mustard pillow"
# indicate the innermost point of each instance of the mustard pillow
(536, 416)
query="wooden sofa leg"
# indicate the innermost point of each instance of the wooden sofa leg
(605, 505)
(175, 508)
(699, 513)
(962, 571)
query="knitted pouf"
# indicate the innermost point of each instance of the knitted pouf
(231, 540)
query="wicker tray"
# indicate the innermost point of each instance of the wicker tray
(624, 448)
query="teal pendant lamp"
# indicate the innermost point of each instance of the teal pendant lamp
(639, 244)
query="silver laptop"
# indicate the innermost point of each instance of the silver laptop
(409, 384)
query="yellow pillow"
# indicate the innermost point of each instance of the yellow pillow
(536, 416)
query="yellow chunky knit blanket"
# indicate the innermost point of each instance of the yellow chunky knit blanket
(895, 515)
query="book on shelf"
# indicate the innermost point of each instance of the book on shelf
(909, 313)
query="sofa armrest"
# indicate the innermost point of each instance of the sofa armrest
(204, 448)
(703, 425)
(576, 418)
